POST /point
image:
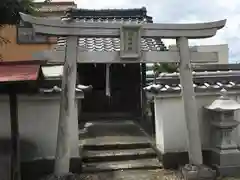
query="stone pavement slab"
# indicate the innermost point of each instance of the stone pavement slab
(102, 133)
(151, 163)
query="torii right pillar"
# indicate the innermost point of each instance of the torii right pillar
(189, 100)
(195, 169)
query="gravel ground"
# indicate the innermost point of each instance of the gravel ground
(129, 175)
(123, 175)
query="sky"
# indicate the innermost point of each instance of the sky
(187, 11)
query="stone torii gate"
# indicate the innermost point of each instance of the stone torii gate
(130, 52)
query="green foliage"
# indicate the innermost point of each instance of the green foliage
(9, 14)
(9, 10)
(165, 67)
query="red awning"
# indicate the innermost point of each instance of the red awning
(18, 72)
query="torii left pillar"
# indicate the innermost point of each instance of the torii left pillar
(62, 157)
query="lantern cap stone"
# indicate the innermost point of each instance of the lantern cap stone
(223, 103)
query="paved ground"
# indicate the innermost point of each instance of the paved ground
(111, 133)
(122, 175)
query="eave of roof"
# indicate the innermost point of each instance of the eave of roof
(109, 13)
(53, 3)
(19, 73)
(56, 89)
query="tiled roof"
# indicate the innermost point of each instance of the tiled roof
(199, 68)
(56, 89)
(137, 16)
(203, 82)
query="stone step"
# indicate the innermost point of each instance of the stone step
(149, 163)
(110, 145)
(116, 146)
(118, 154)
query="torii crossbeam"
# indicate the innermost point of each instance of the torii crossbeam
(129, 52)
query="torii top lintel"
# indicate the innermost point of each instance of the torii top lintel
(59, 27)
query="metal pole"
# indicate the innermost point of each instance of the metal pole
(15, 154)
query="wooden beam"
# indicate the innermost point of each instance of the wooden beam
(62, 159)
(57, 56)
(55, 27)
(15, 144)
(190, 105)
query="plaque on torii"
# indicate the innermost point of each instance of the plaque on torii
(130, 52)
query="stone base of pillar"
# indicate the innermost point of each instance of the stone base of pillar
(174, 160)
(192, 172)
(226, 162)
(227, 171)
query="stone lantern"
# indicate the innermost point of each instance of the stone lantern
(225, 154)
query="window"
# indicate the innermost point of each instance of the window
(26, 35)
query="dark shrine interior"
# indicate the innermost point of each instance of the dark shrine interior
(125, 89)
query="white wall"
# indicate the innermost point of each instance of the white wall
(222, 50)
(38, 123)
(171, 132)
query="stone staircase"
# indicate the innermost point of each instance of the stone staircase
(119, 146)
